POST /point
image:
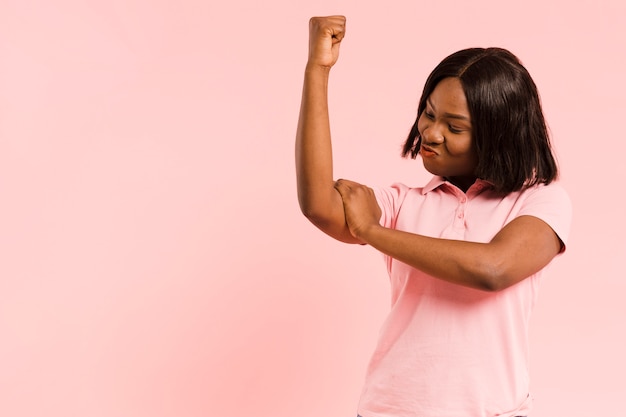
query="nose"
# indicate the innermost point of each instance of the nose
(433, 134)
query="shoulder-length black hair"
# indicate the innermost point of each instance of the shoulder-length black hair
(508, 126)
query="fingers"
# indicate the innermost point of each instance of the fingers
(360, 206)
(325, 36)
(346, 187)
(333, 26)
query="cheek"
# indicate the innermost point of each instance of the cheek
(461, 146)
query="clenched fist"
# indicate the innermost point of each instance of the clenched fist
(325, 35)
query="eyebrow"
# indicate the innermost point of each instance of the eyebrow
(450, 115)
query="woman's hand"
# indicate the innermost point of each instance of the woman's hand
(361, 209)
(325, 35)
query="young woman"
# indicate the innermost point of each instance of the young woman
(465, 253)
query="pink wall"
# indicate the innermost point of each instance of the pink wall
(153, 260)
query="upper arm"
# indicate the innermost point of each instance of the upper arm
(523, 247)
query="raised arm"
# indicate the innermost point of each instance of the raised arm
(319, 201)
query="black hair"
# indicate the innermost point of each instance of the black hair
(508, 126)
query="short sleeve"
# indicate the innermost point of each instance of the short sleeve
(552, 204)
(390, 199)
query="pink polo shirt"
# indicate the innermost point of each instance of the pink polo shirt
(446, 350)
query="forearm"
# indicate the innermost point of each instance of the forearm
(314, 166)
(465, 263)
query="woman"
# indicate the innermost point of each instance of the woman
(465, 253)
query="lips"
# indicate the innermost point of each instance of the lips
(427, 151)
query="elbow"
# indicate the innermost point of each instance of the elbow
(494, 277)
(319, 220)
(318, 204)
(310, 211)
(329, 222)
(491, 285)
(315, 214)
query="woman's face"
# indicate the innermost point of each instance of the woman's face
(445, 126)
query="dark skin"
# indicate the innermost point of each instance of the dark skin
(348, 211)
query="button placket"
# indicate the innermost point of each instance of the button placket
(459, 222)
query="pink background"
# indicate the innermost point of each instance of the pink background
(153, 259)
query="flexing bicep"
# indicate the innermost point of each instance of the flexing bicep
(522, 248)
